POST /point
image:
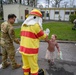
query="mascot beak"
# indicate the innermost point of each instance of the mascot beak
(27, 15)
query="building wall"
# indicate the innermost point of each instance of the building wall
(58, 13)
(22, 9)
(17, 9)
(56, 16)
(62, 15)
(67, 15)
(52, 15)
(10, 9)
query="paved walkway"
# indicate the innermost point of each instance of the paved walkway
(67, 66)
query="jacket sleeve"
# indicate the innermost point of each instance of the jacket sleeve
(12, 35)
(40, 33)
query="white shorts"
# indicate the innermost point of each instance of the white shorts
(49, 55)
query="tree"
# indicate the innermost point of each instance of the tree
(28, 2)
(65, 4)
(33, 3)
(1, 9)
(48, 2)
(10, 1)
(72, 3)
(15, 1)
(1, 3)
(56, 3)
(40, 6)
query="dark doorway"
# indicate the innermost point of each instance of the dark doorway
(26, 12)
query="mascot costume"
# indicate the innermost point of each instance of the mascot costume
(31, 33)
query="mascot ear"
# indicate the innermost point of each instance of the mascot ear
(34, 17)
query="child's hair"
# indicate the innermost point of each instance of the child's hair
(55, 36)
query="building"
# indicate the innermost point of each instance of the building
(57, 13)
(18, 9)
(21, 11)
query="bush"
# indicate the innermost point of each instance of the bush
(72, 17)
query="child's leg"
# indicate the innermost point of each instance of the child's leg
(49, 61)
(47, 56)
(52, 57)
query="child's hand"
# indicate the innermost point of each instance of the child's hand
(59, 54)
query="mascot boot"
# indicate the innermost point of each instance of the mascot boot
(41, 72)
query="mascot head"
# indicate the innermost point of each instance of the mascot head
(35, 16)
(36, 12)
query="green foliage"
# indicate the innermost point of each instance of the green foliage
(72, 17)
(17, 32)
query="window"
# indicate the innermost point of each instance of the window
(72, 12)
(75, 12)
(67, 13)
(42, 13)
(56, 12)
(47, 14)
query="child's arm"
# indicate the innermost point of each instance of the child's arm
(47, 40)
(59, 52)
(57, 46)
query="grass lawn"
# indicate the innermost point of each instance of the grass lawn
(62, 29)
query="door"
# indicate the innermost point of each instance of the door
(26, 13)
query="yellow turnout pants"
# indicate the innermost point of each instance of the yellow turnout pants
(30, 64)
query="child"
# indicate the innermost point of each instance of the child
(51, 48)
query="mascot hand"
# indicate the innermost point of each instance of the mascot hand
(47, 31)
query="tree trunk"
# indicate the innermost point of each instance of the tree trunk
(10, 1)
(1, 10)
(28, 2)
(34, 2)
(15, 1)
(1, 4)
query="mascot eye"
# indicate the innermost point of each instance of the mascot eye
(34, 17)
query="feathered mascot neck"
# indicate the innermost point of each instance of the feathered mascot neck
(32, 20)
